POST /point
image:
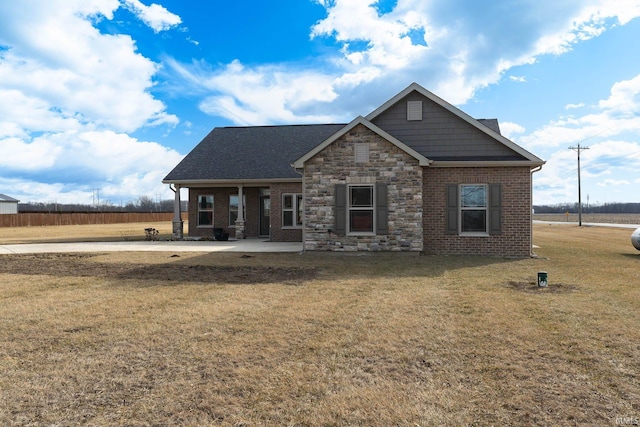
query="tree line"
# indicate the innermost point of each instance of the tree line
(606, 208)
(141, 204)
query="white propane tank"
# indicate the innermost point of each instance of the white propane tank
(635, 239)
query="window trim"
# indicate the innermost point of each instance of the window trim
(297, 206)
(199, 210)
(484, 208)
(371, 208)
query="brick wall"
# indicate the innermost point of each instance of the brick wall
(252, 210)
(278, 234)
(221, 211)
(515, 239)
(388, 164)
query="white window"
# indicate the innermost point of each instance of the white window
(205, 211)
(473, 209)
(361, 208)
(362, 153)
(292, 210)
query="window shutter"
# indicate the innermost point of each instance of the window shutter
(341, 209)
(382, 210)
(452, 209)
(495, 209)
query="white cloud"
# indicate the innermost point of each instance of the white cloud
(463, 53)
(155, 16)
(69, 93)
(612, 154)
(68, 71)
(118, 163)
(447, 46)
(574, 106)
(20, 155)
(613, 182)
(510, 129)
(518, 79)
(389, 44)
(624, 99)
(616, 115)
(262, 95)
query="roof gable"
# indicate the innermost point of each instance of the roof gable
(446, 133)
(423, 161)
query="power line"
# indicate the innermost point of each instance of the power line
(577, 149)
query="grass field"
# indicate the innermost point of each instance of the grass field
(591, 218)
(163, 339)
(83, 233)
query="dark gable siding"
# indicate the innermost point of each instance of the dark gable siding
(441, 135)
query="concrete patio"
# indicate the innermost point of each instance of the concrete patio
(246, 245)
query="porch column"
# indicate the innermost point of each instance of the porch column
(178, 232)
(240, 234)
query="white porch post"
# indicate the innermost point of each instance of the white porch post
(240, 223)
(178, 232)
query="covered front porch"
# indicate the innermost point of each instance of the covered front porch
(240, 211)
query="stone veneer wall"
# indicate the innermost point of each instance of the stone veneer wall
(515, 239)
(388, 164)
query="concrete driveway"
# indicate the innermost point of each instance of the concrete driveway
(247, 245)
(588, 224)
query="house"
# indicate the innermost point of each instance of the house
(416, 174)
(8, 205)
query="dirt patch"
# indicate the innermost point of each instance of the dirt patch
(556, 288)
(77, 265)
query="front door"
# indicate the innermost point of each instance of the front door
(265, 213)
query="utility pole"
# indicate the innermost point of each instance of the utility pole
(577, 149)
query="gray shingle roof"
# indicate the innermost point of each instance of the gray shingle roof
(491, 124)
(5, 198)
(256, 152)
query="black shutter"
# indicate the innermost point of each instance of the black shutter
(495, 209)
(341, 209)
(452, 209)
(382, 210)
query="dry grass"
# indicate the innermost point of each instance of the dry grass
(83, 233)
(595, 218)
(323, 339)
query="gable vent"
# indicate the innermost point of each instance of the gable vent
(362, 153)
(414, 110)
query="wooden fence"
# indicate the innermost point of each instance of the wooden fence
(80, 218)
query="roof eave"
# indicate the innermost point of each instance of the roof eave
(227, 182)
(485, 164)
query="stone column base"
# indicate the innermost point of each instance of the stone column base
(178, 233)
(240, 230)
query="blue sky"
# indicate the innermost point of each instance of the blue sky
(111, 94)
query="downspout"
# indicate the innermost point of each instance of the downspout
(534, 170)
